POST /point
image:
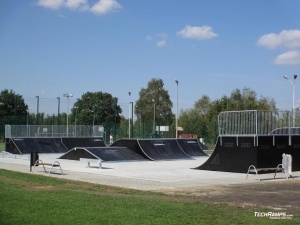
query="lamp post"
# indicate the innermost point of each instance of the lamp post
(293, 84)
(131, 120)
(176, 81)
(28, 111)
(68, 96)
(153, 116)
(37, 109)
(58, 106)
(75, 107)
(129, 93)
(93, 111)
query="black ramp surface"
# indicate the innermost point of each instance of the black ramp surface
(77, 153)
(162, 149)
(41, 145)
(13, 145)
(115, 154)
(131, 144)
(104, 153)
(82, 142)
(234, 155)
(191, 147)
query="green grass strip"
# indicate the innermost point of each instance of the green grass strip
(33, 199)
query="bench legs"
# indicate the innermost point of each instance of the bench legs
(280, 168)
(55, 164)
(277, 169)
(100, 164)
(254, 169)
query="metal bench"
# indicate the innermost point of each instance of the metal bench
(52, 165)
(99, 161)
(279, 168)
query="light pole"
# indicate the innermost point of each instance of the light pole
(68, 96)
(293, 84)
(28, 111)
(153, 116)
(131, 120)
(129, 93)
(176, 81)
(58, 106)
(37, 109)
(93, 111)
(75, 107)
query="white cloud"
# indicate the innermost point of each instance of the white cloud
(105, 6)
(100, 8)
(160, 39)
(149, 38)
(76, 4)
(286, 38)
(198, 33)
(288, 58)
(161, 43)
(52, 4)
(162, 36)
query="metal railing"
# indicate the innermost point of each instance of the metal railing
(253, 122)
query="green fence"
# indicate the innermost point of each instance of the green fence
(27, 126)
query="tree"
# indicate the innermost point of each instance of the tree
(96, 108)
(13, 109)
(205, 112)
(154, 100)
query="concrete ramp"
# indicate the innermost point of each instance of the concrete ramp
(103, 153)
(191, 147)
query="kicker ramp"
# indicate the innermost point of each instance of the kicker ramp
(103, 153)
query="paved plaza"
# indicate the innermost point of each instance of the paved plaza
(140, 175)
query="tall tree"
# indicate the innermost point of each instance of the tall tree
(154, 102)
(13, 109)
(205, 112)
(96, 108)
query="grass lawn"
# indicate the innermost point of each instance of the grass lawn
(33, 199)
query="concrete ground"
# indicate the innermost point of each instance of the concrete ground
(140, 175)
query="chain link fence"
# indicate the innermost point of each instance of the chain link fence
(43, 131)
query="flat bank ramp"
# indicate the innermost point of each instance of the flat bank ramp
(162, 149)
(41, 145)
(82, 142)
(103, 153)
(191, 147)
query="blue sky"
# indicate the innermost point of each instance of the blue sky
(52, 47)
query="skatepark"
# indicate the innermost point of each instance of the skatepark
(157, 164)
(216, 176)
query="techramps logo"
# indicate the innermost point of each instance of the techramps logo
(273, 215)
